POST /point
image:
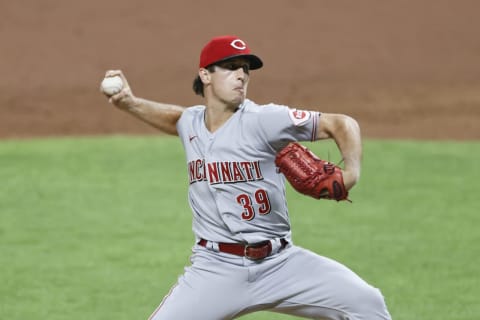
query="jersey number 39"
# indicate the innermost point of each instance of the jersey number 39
(260, 203)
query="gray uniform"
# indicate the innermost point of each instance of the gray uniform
(237, 196)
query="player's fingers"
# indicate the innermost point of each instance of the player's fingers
(124, 79)
(118, 97)
(122, 98)
(112, 73)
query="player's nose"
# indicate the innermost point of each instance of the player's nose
(241, 74)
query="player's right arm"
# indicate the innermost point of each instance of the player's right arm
(162, 116)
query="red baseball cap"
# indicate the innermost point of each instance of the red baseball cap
(226, 47)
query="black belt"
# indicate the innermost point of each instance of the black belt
(255, 251)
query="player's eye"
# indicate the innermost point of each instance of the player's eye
(246, 68)
(235, 65)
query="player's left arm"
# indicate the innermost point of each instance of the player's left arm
(345, 131)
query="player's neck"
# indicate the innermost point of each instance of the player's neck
(216, 114)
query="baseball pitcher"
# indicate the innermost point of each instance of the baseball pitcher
(239, 155)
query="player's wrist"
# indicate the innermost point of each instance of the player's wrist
(131, 103)
(350, 178)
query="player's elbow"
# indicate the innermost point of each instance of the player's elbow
(337, 125)
(349, 125)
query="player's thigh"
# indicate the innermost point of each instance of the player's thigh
(321, 288)
(207, 290)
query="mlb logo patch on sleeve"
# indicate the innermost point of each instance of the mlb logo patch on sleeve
(299, 117)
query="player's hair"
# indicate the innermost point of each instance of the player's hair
(198, 84)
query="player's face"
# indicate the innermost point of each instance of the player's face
(230, 81)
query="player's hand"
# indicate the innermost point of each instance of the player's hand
(124, 99)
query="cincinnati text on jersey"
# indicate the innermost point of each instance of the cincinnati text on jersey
(224, 171)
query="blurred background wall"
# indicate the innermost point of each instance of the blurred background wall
(404, 69)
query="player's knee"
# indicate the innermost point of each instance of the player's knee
(371, 305)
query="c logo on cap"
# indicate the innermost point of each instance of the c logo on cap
(238, 44)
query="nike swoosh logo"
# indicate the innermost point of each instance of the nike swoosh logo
(191, 138)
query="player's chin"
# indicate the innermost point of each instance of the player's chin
(237, 100)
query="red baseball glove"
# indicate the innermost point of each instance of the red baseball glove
(310, 175)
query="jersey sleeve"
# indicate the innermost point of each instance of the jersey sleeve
(184, 123)
(281, 125)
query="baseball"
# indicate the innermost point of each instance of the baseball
(112, 85)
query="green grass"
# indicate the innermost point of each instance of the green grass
(99, 228)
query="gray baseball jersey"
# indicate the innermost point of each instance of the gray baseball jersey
(236, 195)
(235, 192)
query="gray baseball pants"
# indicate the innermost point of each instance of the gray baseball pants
(294, 281)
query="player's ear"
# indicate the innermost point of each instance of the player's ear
(204, 75)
